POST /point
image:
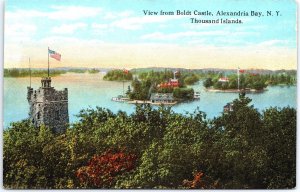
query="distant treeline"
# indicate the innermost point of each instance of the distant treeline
(204, 72)
(17, 72)
(208, 73)
(93, 71)
(34, 72)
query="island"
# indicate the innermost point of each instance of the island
(246, 81)
(118, 75)
(157, 87)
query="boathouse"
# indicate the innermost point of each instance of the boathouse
(162, 98)
(228, 107)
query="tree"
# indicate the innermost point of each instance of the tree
(218, 85)
(279, 140)
(208, 83)
(102, 170)
(190, 80)
(140, 89)
(201, 181)
(23, 158)
(146, 175)
(242, 154)
(182, 149)
(183, 93)
(259, 85)
(128, 90)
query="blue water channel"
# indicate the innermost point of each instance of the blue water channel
(89, 90)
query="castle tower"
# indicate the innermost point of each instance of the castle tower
(48, 106)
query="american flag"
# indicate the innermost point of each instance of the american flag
(125, 71)
(54, 54)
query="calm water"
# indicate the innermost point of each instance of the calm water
(89, 90)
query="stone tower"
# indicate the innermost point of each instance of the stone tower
(48, 106)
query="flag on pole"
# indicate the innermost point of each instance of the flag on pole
(125, 71)
(54, 55)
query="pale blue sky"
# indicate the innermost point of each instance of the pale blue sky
(109, 26)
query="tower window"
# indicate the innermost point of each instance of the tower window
(57, 115)
(38, 115)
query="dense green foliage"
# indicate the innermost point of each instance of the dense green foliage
(141, 89)
(185, 78)
(191, 79)
(184, 93)
(118, 75)
(239, 149)
(156, 76)
(208, 82)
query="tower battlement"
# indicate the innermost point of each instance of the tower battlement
(48, 106)
(46, 82)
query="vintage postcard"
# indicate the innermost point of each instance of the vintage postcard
(148, 94)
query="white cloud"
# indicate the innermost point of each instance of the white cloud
(57, 13)
(68, 28)
(20, 15)
(100, 26)
(20, 28)
(115, 15)
(19, 31)
(73, 12)
(22, 25)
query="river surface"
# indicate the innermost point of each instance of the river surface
(89, 90)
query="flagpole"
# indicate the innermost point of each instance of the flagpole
(123, 81)
(48, 61)
(29, 73)
(238, 73)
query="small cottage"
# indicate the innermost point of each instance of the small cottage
(228, 107)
